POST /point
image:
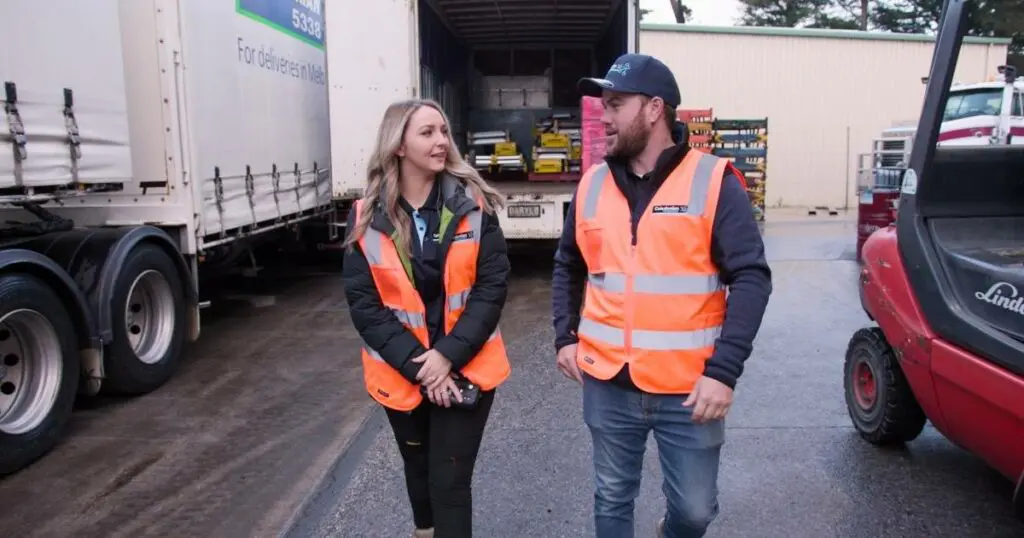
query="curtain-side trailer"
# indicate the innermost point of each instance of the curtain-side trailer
(142, 143)
(501, 66)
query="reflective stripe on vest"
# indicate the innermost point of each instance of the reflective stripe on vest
(657, 305)
(488, 368)
(491, 366)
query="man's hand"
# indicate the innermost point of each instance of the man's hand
(435, 370)
(710, 400)
(567, 362)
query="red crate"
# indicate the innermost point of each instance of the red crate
(564, 176)
(700, 138)
(686, 115)
(591, 108)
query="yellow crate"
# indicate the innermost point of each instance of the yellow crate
(554, 140)
(505, 149)
(548, 166)
(576, 152)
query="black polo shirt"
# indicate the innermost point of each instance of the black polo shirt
(427, 257)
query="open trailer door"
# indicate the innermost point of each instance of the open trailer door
(958, 227)
(373, 59)
(633, 33)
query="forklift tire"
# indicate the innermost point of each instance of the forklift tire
(149, 323)
(878, 398)
(39, 370)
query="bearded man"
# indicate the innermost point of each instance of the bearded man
(654, 237)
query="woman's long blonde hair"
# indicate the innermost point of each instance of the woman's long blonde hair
(383, 169)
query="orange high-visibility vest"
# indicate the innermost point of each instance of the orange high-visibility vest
(656, 305)
(392, 275)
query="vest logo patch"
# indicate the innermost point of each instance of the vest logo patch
(383, 393)
(463, 236)
(587, 359)
(669, 209)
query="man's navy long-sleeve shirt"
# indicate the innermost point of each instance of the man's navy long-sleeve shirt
(736, 249)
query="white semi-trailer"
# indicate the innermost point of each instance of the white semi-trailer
(142, 143)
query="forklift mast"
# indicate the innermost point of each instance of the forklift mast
(952, 27)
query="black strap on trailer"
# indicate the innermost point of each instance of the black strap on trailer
(14, 123)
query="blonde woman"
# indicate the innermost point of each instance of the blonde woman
(426, 276)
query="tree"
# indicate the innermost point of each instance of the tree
(852, 13)
(988, 18)
(783, 13)
(680, 11)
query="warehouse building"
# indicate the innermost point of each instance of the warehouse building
(826, 93)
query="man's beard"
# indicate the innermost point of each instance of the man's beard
(632, 141)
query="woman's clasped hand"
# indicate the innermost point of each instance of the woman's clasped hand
(435, 375)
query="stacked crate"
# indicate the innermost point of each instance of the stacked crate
(592, 134)
(745, 142)
(699, 122)
(494, 151)
(558, 145)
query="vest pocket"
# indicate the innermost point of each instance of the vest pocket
(388, 282)
(591, 245)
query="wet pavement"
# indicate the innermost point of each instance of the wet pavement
(792, 464)
(230, 447)
(269, 408)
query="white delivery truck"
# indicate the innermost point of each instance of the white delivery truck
(142, 143)
(500, 67)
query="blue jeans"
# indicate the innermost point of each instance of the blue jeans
(619, 420)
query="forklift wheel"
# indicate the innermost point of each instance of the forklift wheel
(878, 397)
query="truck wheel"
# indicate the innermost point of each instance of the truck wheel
(148, 310)
(39, 369)
(878, 397)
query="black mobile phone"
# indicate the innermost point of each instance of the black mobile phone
(470, 393)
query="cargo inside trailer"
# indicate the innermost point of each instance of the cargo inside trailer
(504, 69)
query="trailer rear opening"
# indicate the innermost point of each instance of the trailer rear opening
(506, 74)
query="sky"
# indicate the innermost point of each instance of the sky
(705, 12)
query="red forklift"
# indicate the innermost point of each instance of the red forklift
(945, 285)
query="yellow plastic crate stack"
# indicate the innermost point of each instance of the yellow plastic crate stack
(504, 155)
(559, 147)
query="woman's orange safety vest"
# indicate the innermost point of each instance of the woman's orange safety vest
(656, 304)
(392, 275)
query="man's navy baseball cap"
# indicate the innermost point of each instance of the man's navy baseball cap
(635, 73)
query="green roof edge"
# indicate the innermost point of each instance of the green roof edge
(810, 32)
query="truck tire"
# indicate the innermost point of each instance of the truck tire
(878, 398)
(39, 370)
(148, 319)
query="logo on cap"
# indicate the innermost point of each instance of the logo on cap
(621, 69)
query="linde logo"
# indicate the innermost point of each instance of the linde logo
(1003, 295)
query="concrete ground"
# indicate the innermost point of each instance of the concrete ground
(792, 465)
(267, 428)
(230, 447)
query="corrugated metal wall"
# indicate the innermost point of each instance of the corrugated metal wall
(812, 85)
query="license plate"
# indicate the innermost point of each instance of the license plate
(523, 211)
